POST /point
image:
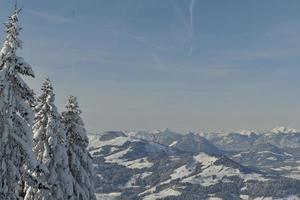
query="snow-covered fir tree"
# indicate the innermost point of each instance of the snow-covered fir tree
(17, 160)
(79, 158)
(50, 147)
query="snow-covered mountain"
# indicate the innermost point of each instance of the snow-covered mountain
(282, 129)
(190, 142)
(234, 141)
(129, 167)
(276, 151)
(281, 137)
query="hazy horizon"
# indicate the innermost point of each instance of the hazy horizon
(192, 65)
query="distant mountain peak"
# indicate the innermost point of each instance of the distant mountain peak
(157, 131)
(282, 129)
(247, 132)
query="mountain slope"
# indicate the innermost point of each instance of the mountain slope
(131, 168)
(276, 151)
(190, 142)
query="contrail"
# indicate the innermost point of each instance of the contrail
(158, 63)
(192, 15)
(188, 22)
(180, 15)
(191, 32)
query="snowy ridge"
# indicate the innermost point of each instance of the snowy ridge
(248, 132)
(212, 173)
(126, 164)
(245, 132)
(285, 130)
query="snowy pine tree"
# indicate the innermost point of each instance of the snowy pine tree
(17, 160)
(50, 147)
(79, 158)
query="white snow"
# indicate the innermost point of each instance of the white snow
(205, 159)
(173, 143)
(271, 158)
(293, 175)
(108, 196)
(132, 164)
(145, 174)
(237, 155)
(132, 182)
(178, 173)
(173, 158)
(247, 132)
(94, 141)
(138, 163)
(118, 141)
(116, 157)
(150, 190)
(292, 197)
(270, 152)
(81, 163)
(288, 154)
(162, 194)
(113, 149)
(213, 198)
(263, 198)
(16, 112)
(244, 197)
(282, 129)
(48, 131)
(212, 174)
(181, 172)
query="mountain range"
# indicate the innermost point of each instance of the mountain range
(163, 164)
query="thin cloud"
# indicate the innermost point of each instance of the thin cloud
(147, 42)
(143, 40)
(192, 16)
(50, 17)
(187, 22)
(158, 63)
(180, 15)
(191, 31)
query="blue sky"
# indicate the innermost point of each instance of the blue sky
(184, 64)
